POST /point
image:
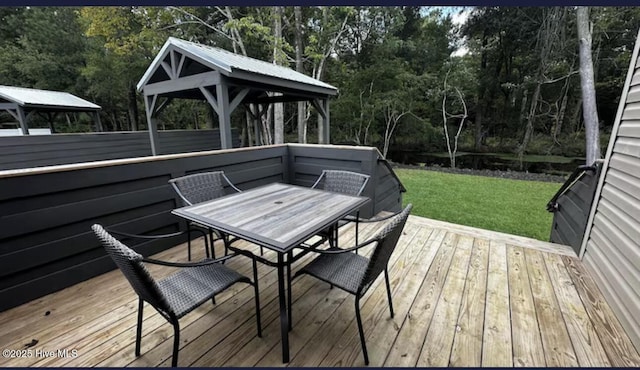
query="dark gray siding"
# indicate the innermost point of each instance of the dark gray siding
(45, 216)
(45, 238)
(612, 246)
(389, 189)
(570, 218)
(307, 162)
(47, 150)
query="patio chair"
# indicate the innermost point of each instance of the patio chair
(355, 273)
(179, 293)
(344, 182)
(201, 187)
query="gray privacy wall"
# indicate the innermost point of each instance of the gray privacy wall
(611, 247)
(47, 150)
(570, 217)
(45, 213)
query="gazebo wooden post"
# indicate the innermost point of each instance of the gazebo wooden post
(224, 114)
(322, 105)
(152, 122)
(98, 122)
(22, 119)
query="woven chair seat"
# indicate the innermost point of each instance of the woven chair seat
(354, 273)
(190, 287)
(344, 270)
(177, 294)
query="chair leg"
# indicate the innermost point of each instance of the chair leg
(386, 279)
(289, 258)
(361, 332)
(257, 297)
(188, 242)
(139, 328)
(176, 342)
(213, 300)
(357, 218)
(213, 246)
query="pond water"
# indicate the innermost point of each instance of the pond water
(553, 165)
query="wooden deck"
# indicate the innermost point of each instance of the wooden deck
(462, 297)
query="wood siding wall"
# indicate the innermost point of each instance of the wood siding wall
(612, 247)
(48, 150)
(570, 219)
(45, 216)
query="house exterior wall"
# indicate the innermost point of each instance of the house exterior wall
(611, 247)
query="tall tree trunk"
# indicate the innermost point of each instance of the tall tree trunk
(302, 106)
(528, 131)
(133, 107)
(587, 85)
(477, 125)
(278, 112)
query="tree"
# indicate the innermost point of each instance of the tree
(447, 115)
(124, 42)
(589, 107)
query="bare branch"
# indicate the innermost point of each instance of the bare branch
(201, 21)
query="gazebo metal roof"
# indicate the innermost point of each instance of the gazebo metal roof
(187, 70)
(22, 102)
(232, 65)
(26, 97)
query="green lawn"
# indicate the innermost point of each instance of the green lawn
(511, 206)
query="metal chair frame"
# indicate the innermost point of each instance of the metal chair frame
(385, 242)
(332, 182)
(213, 188)
(131, 264)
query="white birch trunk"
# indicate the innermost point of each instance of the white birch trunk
(587, 84)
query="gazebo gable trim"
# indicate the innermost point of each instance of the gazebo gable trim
(171, 66)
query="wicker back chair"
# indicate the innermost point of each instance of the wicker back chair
(355, 273)
(343, 182)
(198, 188)
(179, 293)
(201, 187)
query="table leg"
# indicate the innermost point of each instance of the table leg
(289, 258)
(284, 318)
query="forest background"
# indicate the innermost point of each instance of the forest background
(505, 80)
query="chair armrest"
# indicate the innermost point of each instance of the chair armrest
(376, 219)
(151, 237)
(187, 264)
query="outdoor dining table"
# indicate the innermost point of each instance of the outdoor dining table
(278, 217)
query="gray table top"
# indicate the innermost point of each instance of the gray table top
(276, 216)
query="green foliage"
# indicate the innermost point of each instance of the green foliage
(511, 206)
(47, 52)
(385, 61)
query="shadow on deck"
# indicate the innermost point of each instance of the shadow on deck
(462, 296)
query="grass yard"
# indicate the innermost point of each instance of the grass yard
(511, 206)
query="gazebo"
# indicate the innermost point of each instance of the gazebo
(22, 103)
(188, 70)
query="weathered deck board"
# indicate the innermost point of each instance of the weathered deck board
(527, 344)
(439, 339)
(617, 344)
(584, 338)
(558, 350)
(467, 344)
(497, 348)
(460, 299)
(409, 342)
